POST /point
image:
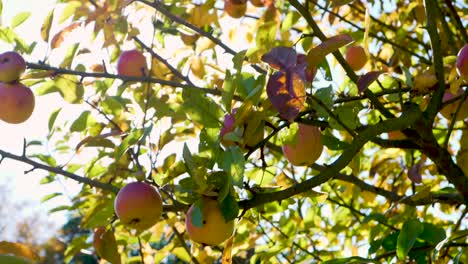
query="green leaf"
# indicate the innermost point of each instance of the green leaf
(99, 214)
(228, 91)
(233, 162)
(229, 208)
(50, 196)
(196, 213)
(45, 28)
(69, 10)
(19, 19)
(432, 234)
(52, 118)
(326, 96)
(289, 21)
(70, 89)
(7, 259)
(82, 122)
(349, 260)
(131, 139)
(409, 232)
(201, 108)
(266, 35)
(67, 61)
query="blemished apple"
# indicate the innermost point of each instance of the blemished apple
(214, 230)
(105, 245)
(356, 57)
(449, 110)
(308, 148)
(235, 8)
(138, 205)
(16, 102)
(132, 63)
(462, 62)
(12, 65)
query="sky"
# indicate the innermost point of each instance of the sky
(26, 187)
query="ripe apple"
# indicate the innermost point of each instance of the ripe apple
(449, 110)
(215, 230)
(308, 148)
(132, 63)
(257, 3)
(228, 126)
(138, 205)
(12, 65)
(105, 245)
(235, 8)
(16, 102)
(356, 57)
(462, 62)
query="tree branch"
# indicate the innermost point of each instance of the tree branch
(408, 117)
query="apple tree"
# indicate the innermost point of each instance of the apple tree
(297, 131)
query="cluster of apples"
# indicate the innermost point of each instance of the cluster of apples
(139, 206)
(16, 100)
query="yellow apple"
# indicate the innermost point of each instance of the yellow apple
(214, 230)
(308, 148)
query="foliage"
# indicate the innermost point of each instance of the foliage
(371, 197)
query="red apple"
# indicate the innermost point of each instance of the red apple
(308, 148)
(214, 230)
(235, 8)
(449, 110)
(462, 62)
(132, 63)
(16, 102)
(138, 205)
(356, 57)
(12, 65)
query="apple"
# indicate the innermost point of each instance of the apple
(132, 63)
(308, 148)
(257, 3)
(12, 65)
(228, 126)
(462, 62)
(235, 8)
(449, 110)
(105, 245)
(356, 57)
(138, 205)
(16, 102)
(215, 229)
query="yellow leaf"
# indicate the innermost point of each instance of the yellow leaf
(227, 258)
(59, 38)
(18, 249)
